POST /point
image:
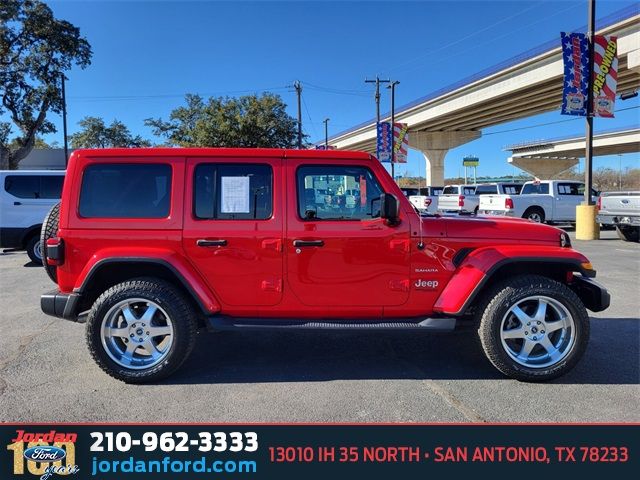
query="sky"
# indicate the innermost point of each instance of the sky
(148, 54)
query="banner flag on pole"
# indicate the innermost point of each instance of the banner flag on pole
(575, 55)
(605, 75)
(383, 144)
(400, 142)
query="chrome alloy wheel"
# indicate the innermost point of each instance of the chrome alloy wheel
(538, 332)
(137, 333)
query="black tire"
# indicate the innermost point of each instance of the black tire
(508, 293)
(535, 214)
(168, 298)
(33, 250)
(50, 230)
(628, 233)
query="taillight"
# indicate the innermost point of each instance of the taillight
(427, 202)
(55, 251)
(599, 204)
(461, 200)
(508, 203)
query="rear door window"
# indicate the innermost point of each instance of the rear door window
(469, 191)
(570, 189)
(233, 192)
(126, 191)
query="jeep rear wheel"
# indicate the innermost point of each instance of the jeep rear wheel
(533, 328)
(141, 330)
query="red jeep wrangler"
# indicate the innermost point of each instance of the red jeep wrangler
(149, 245)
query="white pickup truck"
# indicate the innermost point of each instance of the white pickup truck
(458, 199)
(621, 209)
(466, 198)
(540, 201)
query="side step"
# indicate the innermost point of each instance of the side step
(220, 322)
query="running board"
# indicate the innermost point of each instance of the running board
(219, 322)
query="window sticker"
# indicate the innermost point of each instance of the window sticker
(235, 195)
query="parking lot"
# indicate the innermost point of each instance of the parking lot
(47, 375)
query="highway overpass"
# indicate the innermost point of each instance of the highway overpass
(548, 158)
(520, 87)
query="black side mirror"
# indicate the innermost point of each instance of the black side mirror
(389, 208)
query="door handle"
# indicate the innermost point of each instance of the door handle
(17, 203)
(308, 243)
(211, 243)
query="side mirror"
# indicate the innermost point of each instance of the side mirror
(389, 208)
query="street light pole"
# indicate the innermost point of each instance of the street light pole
(64, 122)
(392, 86)
(588, 158)
(326, 133)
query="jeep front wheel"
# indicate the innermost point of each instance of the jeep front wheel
(141, 330)
(533, 328)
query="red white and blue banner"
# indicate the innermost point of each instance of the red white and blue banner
(383, 144)
(575, 55)
(605, 75)
(400, 142)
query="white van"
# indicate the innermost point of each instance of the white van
(26, 196)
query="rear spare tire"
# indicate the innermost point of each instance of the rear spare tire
(49, 230)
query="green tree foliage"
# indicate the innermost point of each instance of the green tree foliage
(35, 50)
(95, 134)
(247, 121)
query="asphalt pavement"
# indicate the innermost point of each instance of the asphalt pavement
(47, 375)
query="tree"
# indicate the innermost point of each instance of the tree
(247, 121)
(95, 134)
(35, 50)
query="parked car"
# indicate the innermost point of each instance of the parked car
(25, 198)
(426, 201)
(149, 245)
(540, 201)
(458, 199)
(499, 188)
(622, 210)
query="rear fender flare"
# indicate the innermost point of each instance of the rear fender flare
(186, 275)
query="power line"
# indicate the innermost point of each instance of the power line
(313, 126)
(462, 39)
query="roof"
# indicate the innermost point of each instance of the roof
(222, 152)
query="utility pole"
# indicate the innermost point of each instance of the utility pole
(377, 81)
(392, 86)
(298, 88)
(588, 158)
(64, 122)
(326, 133)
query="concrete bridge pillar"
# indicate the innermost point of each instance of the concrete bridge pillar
(435, 145)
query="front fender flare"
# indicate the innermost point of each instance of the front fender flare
(478, 267)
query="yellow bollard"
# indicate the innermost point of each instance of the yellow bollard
(586, 226)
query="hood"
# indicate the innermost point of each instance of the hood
(501, 228)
